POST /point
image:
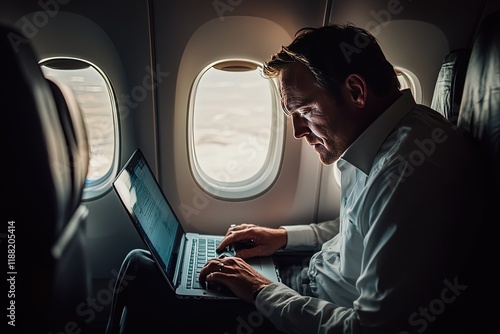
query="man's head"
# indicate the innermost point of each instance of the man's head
(334, 81)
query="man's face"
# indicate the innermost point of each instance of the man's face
(326, 124)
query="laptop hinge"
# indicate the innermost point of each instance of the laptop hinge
(180, 262)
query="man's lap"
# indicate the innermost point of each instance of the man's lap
(150, 303)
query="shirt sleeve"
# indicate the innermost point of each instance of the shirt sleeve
(292, 313)
(311, 236)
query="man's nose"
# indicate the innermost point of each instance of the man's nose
(300, 126)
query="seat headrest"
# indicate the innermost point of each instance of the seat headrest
(449, 86)
(480, 109)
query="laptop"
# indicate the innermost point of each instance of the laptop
(179, 255)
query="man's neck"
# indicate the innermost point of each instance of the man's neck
(377, 105)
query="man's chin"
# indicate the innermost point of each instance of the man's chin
(326, 158)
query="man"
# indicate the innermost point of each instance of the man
(392, 261)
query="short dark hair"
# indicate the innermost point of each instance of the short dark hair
(332, 53)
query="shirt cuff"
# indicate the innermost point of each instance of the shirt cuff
(299, 237)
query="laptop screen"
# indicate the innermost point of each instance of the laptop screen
(151, 214)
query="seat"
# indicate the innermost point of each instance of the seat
(480, 109)
(47, 160)
(450, 83)
(480, 117)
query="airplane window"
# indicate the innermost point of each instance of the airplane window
(233, 127)
(409, 80)
(95, 98)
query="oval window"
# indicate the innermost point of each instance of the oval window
(236, 133)
(95, 98)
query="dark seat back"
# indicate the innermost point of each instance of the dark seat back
(480, 117)
(480, 109)
(44, 183)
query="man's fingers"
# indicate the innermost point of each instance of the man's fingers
(226, 241)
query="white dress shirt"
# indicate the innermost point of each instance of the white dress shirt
(406, 186)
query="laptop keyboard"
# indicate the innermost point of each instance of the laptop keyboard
(202, 250)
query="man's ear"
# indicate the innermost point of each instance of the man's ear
(357, 89)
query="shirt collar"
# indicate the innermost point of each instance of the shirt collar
(362, 151)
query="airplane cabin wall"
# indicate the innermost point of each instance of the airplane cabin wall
(113, 36)
(252, 30)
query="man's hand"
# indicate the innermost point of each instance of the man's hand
(265, 241)
(235, 274)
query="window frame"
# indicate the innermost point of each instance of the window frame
(411, 81)
(267, 174)
(96, 188)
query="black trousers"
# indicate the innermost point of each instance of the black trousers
(144, 303)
